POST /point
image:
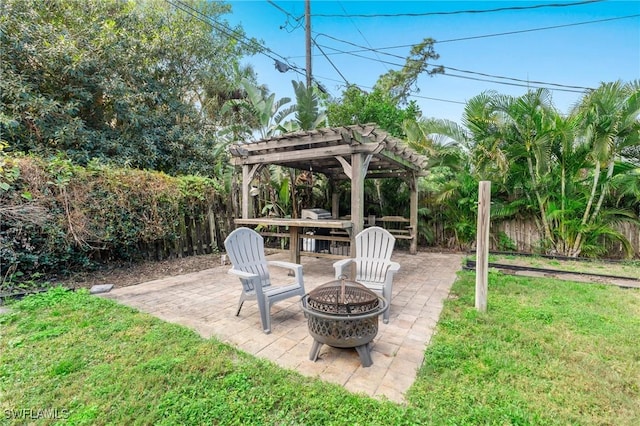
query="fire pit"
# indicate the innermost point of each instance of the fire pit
(343, 314)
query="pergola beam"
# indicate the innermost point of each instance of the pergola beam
(284, 157)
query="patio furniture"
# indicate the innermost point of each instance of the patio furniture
(296, 226)
(245, 248)
(373, 266)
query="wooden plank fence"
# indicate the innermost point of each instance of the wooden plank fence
(205, 234)
(195, 235)
(523, 233)
(525, 236)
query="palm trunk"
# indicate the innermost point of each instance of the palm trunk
(596, 211)
(596, 179)
(561, 246)
(543, 212)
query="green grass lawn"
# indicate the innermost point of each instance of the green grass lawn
(547, 352)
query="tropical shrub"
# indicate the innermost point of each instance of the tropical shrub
(58, 217)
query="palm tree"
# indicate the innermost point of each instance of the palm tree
(307, 117)
(448, 192)
(569, 158)
(442, 141)
(609, 117)
(489, 160)
(543, 161)
(525, 131)
(307, 110)
(266, 112)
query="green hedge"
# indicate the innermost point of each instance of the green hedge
(56, 217)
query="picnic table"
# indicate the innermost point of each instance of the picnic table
(295, 228)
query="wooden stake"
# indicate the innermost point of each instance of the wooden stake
(482, 244)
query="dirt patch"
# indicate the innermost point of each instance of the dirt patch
(124, 275)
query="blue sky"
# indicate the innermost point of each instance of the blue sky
(582, 55)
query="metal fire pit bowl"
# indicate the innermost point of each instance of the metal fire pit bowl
(343, 314)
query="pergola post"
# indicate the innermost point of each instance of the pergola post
(413, 213)
(248, 172)
(246, 180)
(357, 193)
(335, 199)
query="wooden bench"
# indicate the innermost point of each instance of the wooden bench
(398, 227)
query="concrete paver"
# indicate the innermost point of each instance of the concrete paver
(206, 302)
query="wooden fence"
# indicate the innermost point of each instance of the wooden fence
(523, 234)
(526, 237)
(197, 234)
(205, 234)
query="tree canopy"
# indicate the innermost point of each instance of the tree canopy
(123, 82)
(358, 107)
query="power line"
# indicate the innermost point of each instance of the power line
(347, 83)
(264, 50)
(362, 87)
(439, 99)
(288, 15)
(379, 50)
(360, 32)
(560, 87)
(456, 12)
(582, 88)
(538, 29)
(331, 62)
(229, 32)
(365, 49)
(402, 46)
(528, 84)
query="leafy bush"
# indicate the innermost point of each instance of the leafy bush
(74, 215)
(504, 243)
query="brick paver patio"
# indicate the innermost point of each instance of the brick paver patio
(206, 301)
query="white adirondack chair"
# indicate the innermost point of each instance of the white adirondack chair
(245, 248)
(373, 265)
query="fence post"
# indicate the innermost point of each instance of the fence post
(482, 244)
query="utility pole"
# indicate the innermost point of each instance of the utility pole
(307, 20)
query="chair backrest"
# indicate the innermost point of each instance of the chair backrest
(374, 247)
(245, 248)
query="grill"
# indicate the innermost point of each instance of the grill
(315, 214)
(343, 314)
(311, 244)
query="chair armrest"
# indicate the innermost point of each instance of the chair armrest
(394, 267)
(340, 266)
(250, 282)
(296, 268)
(242, 274)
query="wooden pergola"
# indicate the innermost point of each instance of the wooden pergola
(352, 153)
